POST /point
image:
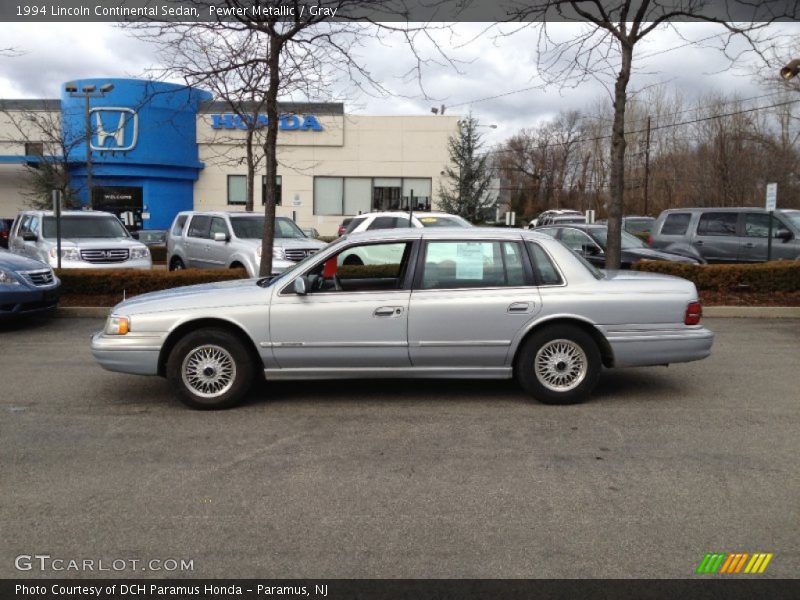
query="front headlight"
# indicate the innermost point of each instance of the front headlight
(117, 325)
(258, 251)
(279, 253)
(7, 278)
(140, 252)
(66, 253)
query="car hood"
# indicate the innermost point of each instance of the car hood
(205, 295)
(634, 254)
(98, 243)
(286, 243)
(17, 262)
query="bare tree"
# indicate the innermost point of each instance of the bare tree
(300, 52)
(52, 152)
(604, 50)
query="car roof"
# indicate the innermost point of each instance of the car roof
(724, 209)
(404, 213)
(64, 213)
(445, 233)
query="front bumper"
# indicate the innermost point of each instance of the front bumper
(138, 263)
(27, 301)
(662, 347)
(135, 354)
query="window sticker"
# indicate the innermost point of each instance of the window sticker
(469, 261)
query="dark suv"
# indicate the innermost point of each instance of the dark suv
(728, 234)
(5, 228)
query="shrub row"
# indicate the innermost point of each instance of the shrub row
(135, 281)
(777, 276)
(158, 253)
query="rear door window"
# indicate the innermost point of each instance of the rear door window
(453, 265)
(717, 223)
(199, 226)
(545, 270)
(676, 224)
(354, 223)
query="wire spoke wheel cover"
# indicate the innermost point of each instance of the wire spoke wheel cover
(209, 371)
(560, 365)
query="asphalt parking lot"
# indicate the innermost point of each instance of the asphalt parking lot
(404, 479)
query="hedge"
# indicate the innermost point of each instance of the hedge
(777, 276)
(137, 281)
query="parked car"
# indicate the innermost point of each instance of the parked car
(398, 219)
(232, 240)
(27, 286)
(343, 226)
(732, 235)
(459, 303)
(151, 237)
(311, 232)
(590, 241)
(548, 217)
(5, 228)
(89, 240)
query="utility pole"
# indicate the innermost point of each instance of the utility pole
(646, 164)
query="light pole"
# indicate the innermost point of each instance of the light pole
(87, 93)
(791, 69)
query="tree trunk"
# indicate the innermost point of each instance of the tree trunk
(251, 169)
(270, 154)
(613, 248)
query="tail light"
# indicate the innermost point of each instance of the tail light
(693, 313)
(650, 240)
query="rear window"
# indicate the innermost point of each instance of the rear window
(676, 224)
(453, 221)
(177, 227)
(354, 223)
(388, 223)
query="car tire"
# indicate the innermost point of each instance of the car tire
(352, 259)
(211, 369)
(176, 264)
(559, 365)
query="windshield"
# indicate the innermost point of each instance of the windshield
(629, 241)
(793, 217)
(85, 227)
(252, 228)
(639, 225)
(449, 221)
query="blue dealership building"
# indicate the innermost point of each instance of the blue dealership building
(157, 148)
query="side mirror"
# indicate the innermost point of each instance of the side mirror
(29, 236)
(784, 234)
(301, 285)
(135, 235)
(220, 237)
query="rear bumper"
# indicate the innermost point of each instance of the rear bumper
(137, 355)
(643, 348)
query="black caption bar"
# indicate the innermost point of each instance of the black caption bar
(400, 589)
(425, 11)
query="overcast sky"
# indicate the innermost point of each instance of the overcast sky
(491, 64)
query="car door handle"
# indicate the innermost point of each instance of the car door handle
(387, 311)
(699, 242)
(520, 307)
(749, 245)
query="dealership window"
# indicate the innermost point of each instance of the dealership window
(356, 195)
(237, 189)
(34, 149)
(278, 190)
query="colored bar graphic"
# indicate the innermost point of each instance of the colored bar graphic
(734, 562)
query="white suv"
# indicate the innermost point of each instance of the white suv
(231, 240)
(397, 219)
(89, 240)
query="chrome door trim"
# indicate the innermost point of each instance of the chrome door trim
(399, 372)
(471, 343)
(337, 344)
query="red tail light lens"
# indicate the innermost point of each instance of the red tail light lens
(693, 313)
(649, 240)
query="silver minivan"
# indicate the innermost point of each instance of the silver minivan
(728, 235)
(231, 240)
(90, 239)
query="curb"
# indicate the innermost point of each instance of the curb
(728, 312)
(752, 312)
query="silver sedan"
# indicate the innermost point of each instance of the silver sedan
(438, 303)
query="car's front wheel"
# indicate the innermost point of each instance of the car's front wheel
(211, 369)
(559, 365)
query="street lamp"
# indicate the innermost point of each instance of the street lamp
(791, 69)
(87, 92)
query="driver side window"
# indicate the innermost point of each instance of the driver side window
(368, 267)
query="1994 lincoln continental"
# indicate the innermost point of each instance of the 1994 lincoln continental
(436, 303)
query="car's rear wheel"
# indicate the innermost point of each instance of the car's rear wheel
(176, 264)
(559, 365)
(211, 369)
(352, 259)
